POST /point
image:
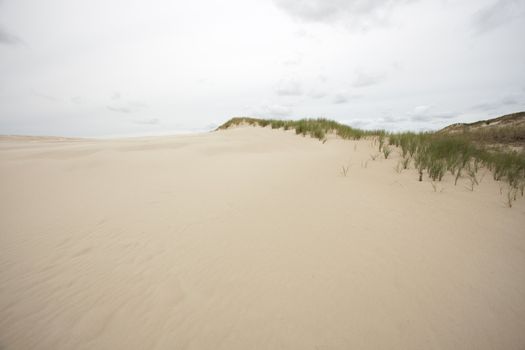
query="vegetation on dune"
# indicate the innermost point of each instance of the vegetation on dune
(462, 154)
(441, 153)
(317, 128)
(508, 129)
(502, 135)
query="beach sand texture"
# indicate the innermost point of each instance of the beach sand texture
(250, 238)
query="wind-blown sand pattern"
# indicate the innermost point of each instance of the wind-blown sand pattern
(250, 238)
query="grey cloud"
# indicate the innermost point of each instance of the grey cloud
(420, 118)
(424, 113)
(342, 97)
(119, 109)
(77, 100)
(486, 106)
(317, 94)
(393, 120)
(6, 38)
(301, 33)
(130, 107)
(354, 12)
(149, 121)
(289, 87)
(322, 78)
(449, 115)
(431, 117)
(497, 14)
(509, 100)
(365, 79)
(44, 96)
(115, 96)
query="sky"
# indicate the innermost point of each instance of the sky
(148, 67)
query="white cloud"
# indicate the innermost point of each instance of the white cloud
(125, 107)
(317, 94)
(364, 79)
(361, 13)
(271, 111)
(358, 123)
(289, 87)
(419, 110)
(425, 113)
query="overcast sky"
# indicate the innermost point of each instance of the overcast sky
(141, 67)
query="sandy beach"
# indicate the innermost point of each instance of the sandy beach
(250, 238)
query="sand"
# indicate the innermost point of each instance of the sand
(250, 238)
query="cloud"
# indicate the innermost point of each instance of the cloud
(293, 60)
(289, 87)
(44, 96)
(317, 94)
(7, 38)
(509, 101)
(120, 109)
(358, 123)
(431, 117)
(424, 113)
(505, 101)
(361, 13)
(393, 120)
(279, 110)
(301, 33)
(419, 110)
(130, 107)
(340, 99)
(365, 79)
(271, 111)
(498, 13)
(343, 97)
(77, 100)
(148, 121)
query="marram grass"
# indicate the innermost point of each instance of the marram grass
(433, 153)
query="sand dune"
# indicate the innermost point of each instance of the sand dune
(250, 238)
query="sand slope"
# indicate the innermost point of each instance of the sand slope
(250, 238)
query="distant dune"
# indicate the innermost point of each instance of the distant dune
(505, 130)
(508, 120)
(251, 238)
